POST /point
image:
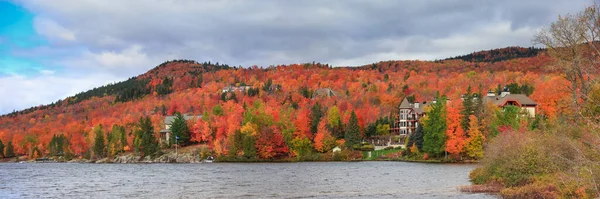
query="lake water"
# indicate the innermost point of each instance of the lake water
(236, 180)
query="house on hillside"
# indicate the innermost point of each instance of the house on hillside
(408, 118)
(323, 92)
(235, 88)
(506, 98)
(165, 133)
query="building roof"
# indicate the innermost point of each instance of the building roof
(419, 109)
(325, 92)
(519, 98)
(170, 119)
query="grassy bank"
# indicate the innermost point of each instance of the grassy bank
(563, 162)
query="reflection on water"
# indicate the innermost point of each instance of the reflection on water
(236, 180)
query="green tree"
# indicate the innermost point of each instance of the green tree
(335, 122)
(179, 129)
(316, 113)
(371, 130)
(144, 141)
(434, 139)
(416, 138)
(467, 109)
(116, 140)
(383, 129)
(352, 135)
(1, 149)
(217, 110)
(302, 147)
(99, 143)
(249, 146)
(509, 116)
(236, 143)
(165, 87)
(10, 150)
(59, 145)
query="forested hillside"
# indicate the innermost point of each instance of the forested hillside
(278, 114)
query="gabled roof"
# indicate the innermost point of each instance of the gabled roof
(407, 105)
(519, 98)
(170, 119)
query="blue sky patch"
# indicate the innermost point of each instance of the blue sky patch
(17, 32)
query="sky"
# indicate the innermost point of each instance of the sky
(52, 49)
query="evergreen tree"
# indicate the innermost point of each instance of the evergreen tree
(166, 87)
(123, 139)
(144, 137)
(99, 143)
(179, 129)
(237, 143)
(249, 146)
(467, 109)
(10, 150)
(416, 138)
(434, 139)
(116, 140)
(59, 145)
(315, 114)
(371, 130)
(352, 135)
(1, 149)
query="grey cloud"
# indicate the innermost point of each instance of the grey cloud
(271, 32)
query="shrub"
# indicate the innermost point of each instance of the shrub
(531, 164)
(367, 147)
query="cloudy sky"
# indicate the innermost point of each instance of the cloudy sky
(51, 49)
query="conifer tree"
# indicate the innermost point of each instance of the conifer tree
(99, 143)
(10, 150)
(352, 135)
(434, 139)
(144, 137)
(467, 109)
(179, 129)
(1, 149)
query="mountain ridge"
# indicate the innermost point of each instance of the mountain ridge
(134, 84)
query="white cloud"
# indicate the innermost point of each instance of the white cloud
(47, 72)
(20, 92)
(52, 30)
(128, 62)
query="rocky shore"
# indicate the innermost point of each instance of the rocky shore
(129, 158)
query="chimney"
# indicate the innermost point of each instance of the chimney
(416, 104)
(504, 92)
(491, 94)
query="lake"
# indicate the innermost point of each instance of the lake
(236, 180)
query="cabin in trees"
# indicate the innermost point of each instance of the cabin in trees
(235, 88)
(165, 133)
(506, 98)
(408, 118)
(323, 92)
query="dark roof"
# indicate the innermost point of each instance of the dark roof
(170, 119)
(519, 98)
(407, 105)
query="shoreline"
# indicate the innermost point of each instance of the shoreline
(186, 159)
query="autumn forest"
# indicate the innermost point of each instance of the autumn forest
(283, 110)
